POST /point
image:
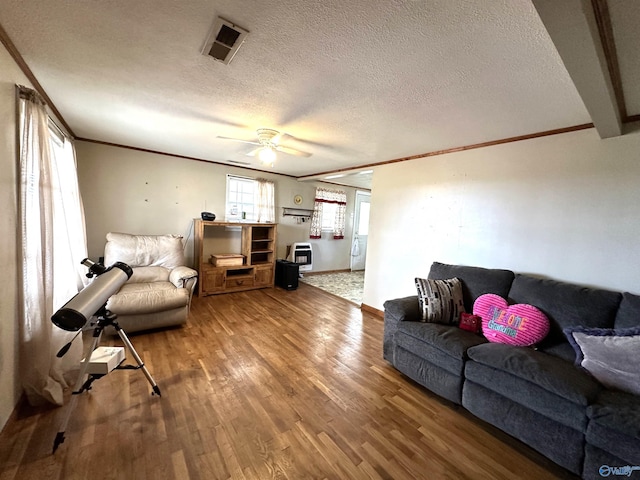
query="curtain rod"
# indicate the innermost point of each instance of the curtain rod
(30, 94)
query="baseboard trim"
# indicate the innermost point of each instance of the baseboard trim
(324, 272)
(367, 308)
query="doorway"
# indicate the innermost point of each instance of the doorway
(349, 285)
(360, 230)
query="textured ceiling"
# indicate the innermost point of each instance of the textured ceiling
(354, 85)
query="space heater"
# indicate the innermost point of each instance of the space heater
(302, 254)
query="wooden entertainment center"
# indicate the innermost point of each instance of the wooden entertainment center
(256, 242)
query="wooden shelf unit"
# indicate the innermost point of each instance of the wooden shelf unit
(257, 245)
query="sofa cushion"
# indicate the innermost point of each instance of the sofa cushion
(561, 350)
(549, 373)
(475, 280)
(442, 345)
(144, 250)
(440, 300)
(149, 274)
(527, 394)
(439, 380)
(628, 314)
(564, 445)
(614, 425)
(565, 304)
(138, 298)
(610, 355)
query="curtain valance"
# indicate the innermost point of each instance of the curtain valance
(331, 196)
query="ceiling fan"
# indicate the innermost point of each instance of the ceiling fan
(268, 144)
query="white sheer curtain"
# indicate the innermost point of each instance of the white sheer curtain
(53, 242)
(266, 201)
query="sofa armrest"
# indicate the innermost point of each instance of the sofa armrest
(180, 275)
(405, 309)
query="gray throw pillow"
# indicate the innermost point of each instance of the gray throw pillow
(612, 356)
(440, 300)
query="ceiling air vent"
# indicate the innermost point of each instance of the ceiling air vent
(224, 40)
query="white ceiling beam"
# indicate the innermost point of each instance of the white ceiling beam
(573, 29)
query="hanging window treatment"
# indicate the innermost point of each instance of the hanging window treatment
(266, 201)
(324, 196)
(53, 245)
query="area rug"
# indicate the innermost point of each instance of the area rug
(348, 285)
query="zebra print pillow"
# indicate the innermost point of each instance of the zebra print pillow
(440, 300)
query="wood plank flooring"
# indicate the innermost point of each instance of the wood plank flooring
(265, 384)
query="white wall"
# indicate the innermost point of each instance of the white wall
(564, 206)
(126, 190)
(10, 387)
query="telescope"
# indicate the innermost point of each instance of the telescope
(74, 314)
(90, 302)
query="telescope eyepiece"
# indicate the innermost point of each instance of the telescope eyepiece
(94, 268)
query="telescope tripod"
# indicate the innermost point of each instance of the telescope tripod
(105, 319)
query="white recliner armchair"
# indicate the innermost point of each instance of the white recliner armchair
(159, 292)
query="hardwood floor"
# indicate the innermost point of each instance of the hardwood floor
(259, 385)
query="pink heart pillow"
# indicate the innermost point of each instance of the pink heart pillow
(520, 325)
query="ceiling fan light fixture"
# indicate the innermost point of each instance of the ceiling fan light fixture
(267, 156)
(268, 144)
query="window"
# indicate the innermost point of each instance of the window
(250, 200)
(363, 221)
(241, 198)
(329, 216)
(69, 230)
(328, 213)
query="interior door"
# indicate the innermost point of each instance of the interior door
(360, 230)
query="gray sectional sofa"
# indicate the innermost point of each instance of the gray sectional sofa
(537, 395)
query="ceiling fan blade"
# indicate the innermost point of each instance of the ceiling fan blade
(277, 138)
(254, 152)
(237, 140)
(292, 151)
(281, 137)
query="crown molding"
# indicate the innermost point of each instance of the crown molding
(17, 57)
